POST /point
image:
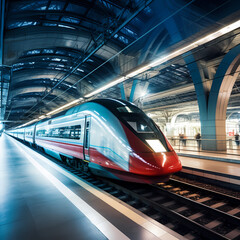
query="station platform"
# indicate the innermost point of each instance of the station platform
(41, 200)
(218, 168)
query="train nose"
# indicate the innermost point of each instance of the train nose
(153, 164)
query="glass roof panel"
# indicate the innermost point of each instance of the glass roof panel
(56, 5)
(70, 19)
(21, 24)
(75, 8)
(49, 24)
(33, 52)
(129, 32)
(48, 51)
(147, 11)
(123, 39)
(26, 5)
(52, 17)
(60, 52)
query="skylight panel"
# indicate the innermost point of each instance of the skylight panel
(48, 51)
(56, 59)
(129, 32)
(33, 52)
(123, 39)
(21, 24)
(56, 5)
(18, 64)
(70, 19)
(75, 8)
(50, 24)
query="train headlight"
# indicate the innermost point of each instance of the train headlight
(156, 145)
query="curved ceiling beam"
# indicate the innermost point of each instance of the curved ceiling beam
(34, 73)
(18, 41)
(41, 90)
(62, 70)
(44, 83)
(31, 15)
(34, 96)
(66, 60)
(98, 9)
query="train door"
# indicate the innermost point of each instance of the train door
(86, 140)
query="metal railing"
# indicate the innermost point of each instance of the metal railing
(200, 145)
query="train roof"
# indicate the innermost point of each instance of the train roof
(117, 106)
(112, 103)
(109, 103)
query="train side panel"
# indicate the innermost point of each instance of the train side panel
(109, 147)
(63, 135)
(29, 134)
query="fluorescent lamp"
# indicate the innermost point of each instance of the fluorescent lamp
(43, 116)
(52, 112)
(64, 106)
(111, 84)
(197, 43)
(170, 56)
(136, 72)
(156, 145)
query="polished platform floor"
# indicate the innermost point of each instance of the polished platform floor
(224, 168)
(40, 200)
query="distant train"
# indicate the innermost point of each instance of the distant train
(111, 138)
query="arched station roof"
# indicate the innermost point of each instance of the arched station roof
(55, 51)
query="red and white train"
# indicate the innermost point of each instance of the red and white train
(110, 137)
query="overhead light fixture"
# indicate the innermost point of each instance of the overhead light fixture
(28, 123)
(43, 116)
(170, 56)
(111, 84)
(52, 112)
(64, 106)
(155, 63)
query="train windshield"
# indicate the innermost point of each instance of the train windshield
(135, 119)
(128, 109)
(144, 127)
(140, 125)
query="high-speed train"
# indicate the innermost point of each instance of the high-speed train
(111, 138)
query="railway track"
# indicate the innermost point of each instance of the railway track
(189, 212)
(193, 212)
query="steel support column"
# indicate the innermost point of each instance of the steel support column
(123, 93)
(2, 2)
(133, 90)
(213, 104)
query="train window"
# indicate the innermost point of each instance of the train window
(72, 132)
(77, 132)
(138, 124)
(55, 132)
(41, 133)
(29, 133)
(64, 132)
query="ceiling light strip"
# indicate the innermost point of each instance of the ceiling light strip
(155, 63)
(170, 56)
(52, 112)
(64, 106)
